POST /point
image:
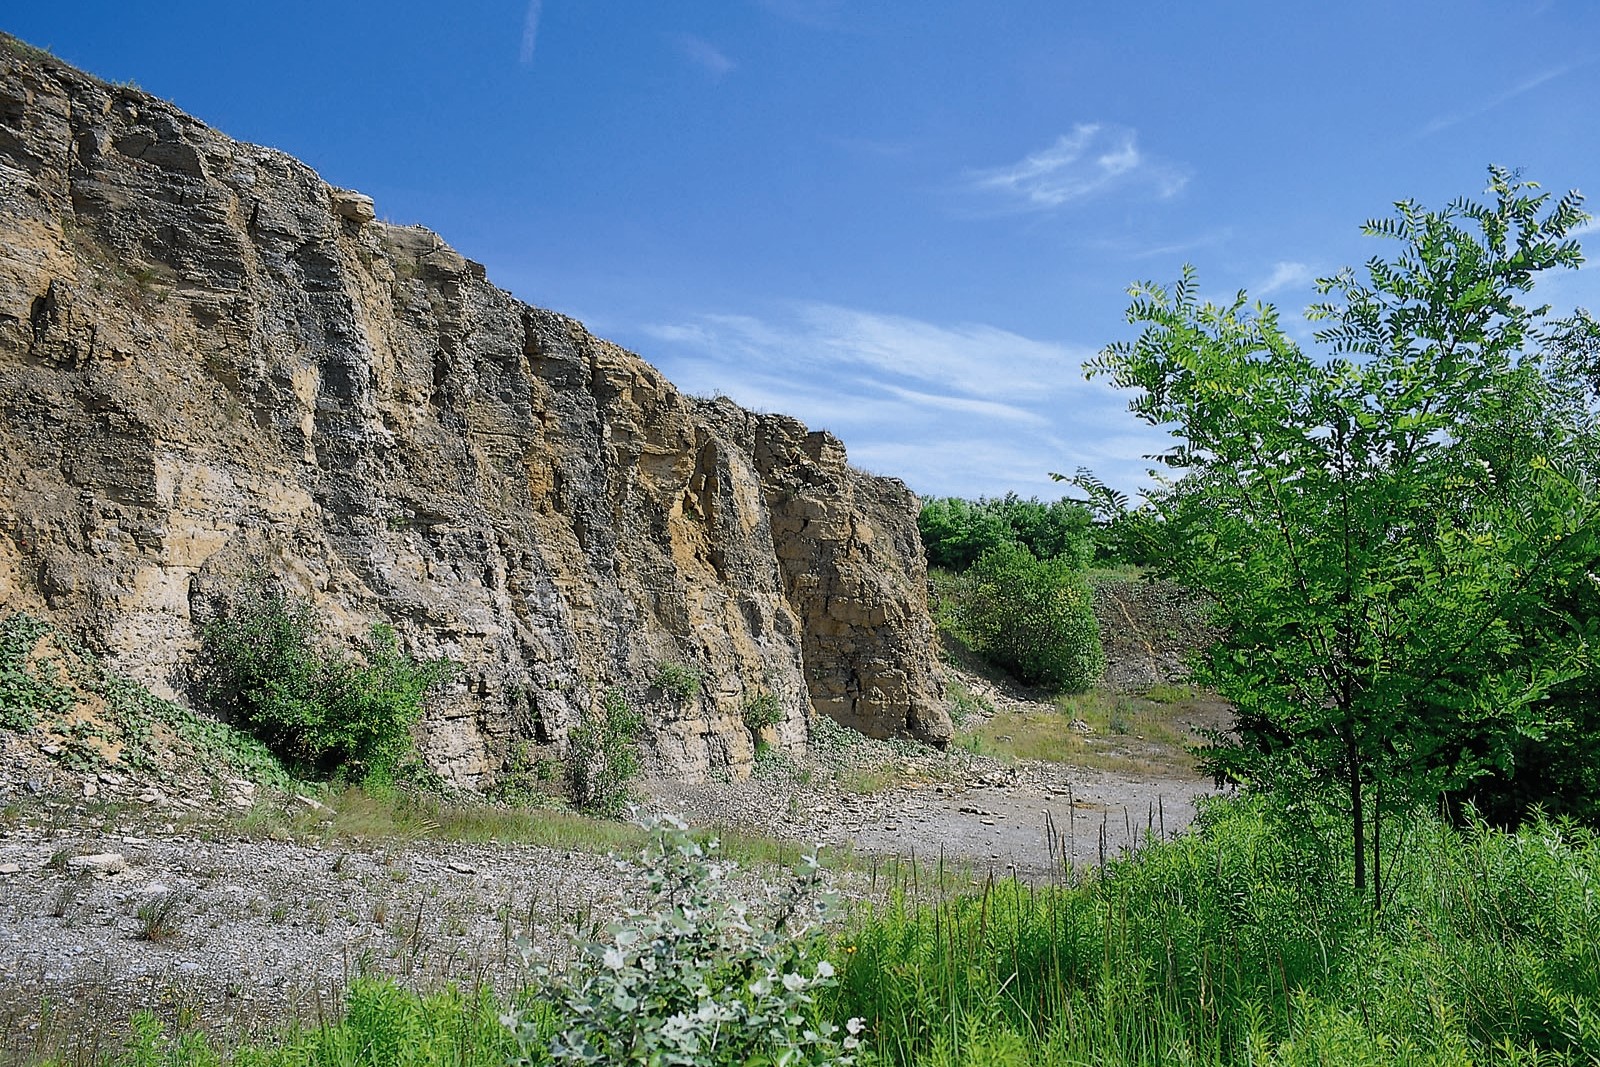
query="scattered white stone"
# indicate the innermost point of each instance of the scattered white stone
(10, 868)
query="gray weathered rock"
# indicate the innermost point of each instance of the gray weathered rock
(213, 363)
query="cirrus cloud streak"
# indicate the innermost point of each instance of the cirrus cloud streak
(1094, 160)
(965, 409)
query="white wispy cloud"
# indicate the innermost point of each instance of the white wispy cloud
(987, 409)
(953, 409)
(1132, 248)
(1527, 85)
(703, 54)
(530, 31)
(1092, 160)
(1285, 275)
(973, 359)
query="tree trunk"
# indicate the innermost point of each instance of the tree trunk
(1377, 851)
(1378, 871)
(1358, 814)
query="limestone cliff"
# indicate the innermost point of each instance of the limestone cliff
(213, 362)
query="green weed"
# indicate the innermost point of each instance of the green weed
(680, 681)
(697, 976)
(29, 691)
(161, 917)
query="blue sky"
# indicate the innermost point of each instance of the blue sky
(907, 223)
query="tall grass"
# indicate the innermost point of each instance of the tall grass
(359, 812)
(1240, 944)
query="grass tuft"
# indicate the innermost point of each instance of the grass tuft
(160, 918)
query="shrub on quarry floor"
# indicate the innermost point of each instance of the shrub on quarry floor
(265, 664)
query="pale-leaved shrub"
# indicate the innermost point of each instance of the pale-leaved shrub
(698, 976)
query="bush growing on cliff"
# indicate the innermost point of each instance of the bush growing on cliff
(265, 664)
(1033, 617)
(680, 681)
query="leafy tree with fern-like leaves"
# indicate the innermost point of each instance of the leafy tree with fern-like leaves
(1388, 533)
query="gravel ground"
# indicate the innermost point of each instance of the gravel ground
(262, 930)
(1021, 820)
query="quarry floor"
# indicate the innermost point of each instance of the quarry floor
(265, 930)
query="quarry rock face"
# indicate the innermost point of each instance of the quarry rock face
(214, 366)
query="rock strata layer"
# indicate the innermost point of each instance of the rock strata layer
(213, 365)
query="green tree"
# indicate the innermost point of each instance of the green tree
(1119, 532)
(955, 532)
(1387, 533)
(1033, 617)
